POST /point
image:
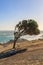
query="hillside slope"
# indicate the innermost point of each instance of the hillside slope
(32, 56)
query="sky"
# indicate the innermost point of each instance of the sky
(13, 11)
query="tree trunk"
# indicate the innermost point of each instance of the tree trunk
(15, 42)
(16, 38)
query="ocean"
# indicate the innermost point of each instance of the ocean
(6, 36)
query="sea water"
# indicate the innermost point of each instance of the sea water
(6, 36)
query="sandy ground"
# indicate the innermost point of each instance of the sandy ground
(32, 56)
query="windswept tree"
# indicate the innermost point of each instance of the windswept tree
(24, 27)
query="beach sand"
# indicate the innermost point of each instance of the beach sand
(32, 56)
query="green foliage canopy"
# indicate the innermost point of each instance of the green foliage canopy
(30, 27)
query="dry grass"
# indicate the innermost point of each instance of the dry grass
(32, 56)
